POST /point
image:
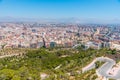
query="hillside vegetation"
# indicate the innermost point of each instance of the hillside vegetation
(51, 64)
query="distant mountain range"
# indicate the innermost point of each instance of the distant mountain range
(59, 20)
(62, 20)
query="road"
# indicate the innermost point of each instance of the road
(104, 69)
(9, 55)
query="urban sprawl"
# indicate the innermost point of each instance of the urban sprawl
(37, 35)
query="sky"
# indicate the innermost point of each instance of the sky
(82, 9)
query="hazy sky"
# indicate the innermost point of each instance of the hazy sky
(97, 9)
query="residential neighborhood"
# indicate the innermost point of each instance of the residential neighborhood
(37, 35)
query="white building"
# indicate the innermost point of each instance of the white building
(115, 46)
